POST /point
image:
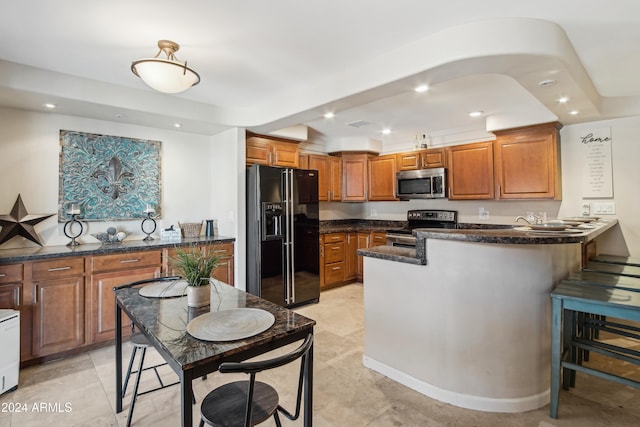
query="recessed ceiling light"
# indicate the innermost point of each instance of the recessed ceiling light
(421, 88)
(119, 116)
(475, 113)
(574, 112)
(50, 105)
(545, 83)
(386, 131)
(329, 115)
(177, 125)
(563, 99)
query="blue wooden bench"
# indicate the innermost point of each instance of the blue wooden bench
(610, 268)
(568, 336)
(615, 259)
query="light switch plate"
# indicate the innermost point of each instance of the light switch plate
(604, 208)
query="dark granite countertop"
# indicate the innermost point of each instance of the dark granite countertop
(500, 234)
(520, 235)
(349, 225)
(12, 256)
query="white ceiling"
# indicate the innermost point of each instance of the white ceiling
(266, 65)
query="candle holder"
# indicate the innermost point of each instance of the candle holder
(148, 225)
(74, 211)
(68, 230)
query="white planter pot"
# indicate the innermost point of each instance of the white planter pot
(198, 296)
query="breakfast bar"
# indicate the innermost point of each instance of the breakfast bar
(466, 319)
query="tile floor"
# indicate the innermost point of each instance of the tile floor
(79, 391)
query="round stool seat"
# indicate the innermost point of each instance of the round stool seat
(139, 340)
(226, 405)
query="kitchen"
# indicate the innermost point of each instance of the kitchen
(216, 155)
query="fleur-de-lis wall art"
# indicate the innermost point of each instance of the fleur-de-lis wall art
(110, 177)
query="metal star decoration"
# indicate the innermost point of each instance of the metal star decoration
(20, 223)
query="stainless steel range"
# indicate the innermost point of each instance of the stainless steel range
(429, 218)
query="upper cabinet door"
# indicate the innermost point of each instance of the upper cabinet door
(382, 178)
(433, 158)
(322, 165)
(470, 170)
(273, 152)
(336, 178)
(527, 163)
(354, 172)
(409, 161)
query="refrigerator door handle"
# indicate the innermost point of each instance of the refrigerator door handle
(292, 286)
(286, 243)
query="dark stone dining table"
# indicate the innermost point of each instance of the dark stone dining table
(164, 322)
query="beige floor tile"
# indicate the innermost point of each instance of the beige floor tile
(345, 393)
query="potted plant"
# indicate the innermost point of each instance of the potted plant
(195, 264)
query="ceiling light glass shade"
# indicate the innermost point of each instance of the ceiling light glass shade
(166, 75)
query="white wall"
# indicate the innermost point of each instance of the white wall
(228, 204)
(29, 164)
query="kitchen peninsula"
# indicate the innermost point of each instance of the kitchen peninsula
(465, 319)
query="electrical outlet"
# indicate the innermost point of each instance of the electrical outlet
(373, 212)
(482, 214)
(586, 209)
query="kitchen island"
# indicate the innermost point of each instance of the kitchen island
(469, 323)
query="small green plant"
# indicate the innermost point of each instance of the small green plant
(195, 264)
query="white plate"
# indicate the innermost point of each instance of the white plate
(549, 227)
(230, 325)
(583, 218)
(531, 231)
(174, 288)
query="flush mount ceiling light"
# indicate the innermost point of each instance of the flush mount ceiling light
(166, 75)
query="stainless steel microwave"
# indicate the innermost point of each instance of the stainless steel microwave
(422, 184)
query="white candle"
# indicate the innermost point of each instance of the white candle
(73, 209)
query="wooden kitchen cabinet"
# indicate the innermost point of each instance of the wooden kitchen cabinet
(382, 178)
(58, 305)
(108, 271)
(329, 176)
(354, 173)
(11, 277)
(224, 272)
(271, 151)
(363, 243)
(527, 162)
(421, 159)
(333, 254)
(351, 256)
(470, 171)
(378, 238)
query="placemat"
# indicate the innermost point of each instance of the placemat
(174, 288)
(230, 325)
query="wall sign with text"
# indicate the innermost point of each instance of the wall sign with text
(597, 176)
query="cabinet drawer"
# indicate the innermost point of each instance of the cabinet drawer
(378, 239)
(334, 237)
(334, 273)
(46, 270)
(11, 273)
(333, 252)
(225, 249)
(126, 261)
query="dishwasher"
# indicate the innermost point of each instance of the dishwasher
(9, 350)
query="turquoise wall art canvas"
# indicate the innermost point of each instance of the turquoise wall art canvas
(110, 177)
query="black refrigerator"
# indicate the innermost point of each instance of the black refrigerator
(283, 262)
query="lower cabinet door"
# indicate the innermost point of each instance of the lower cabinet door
(58, 315)
(102, 302)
